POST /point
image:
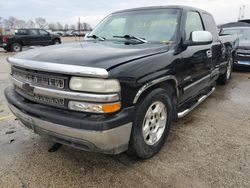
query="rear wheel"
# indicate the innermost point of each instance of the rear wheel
(7, 49)
(16, 47)
(152, 123)
(224, 78)
(57, 41)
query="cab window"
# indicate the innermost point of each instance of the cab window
(193, 23)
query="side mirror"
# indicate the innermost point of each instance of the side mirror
(199, 38)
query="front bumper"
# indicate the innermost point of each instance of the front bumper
(242, 59)
(108, 135)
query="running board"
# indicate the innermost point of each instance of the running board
(185, 112)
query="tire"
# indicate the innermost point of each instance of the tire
(56, 42)
(16, 47)
(7, 49)
(143, 142)
(224, 78)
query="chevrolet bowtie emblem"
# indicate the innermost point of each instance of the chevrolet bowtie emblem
(28, 88)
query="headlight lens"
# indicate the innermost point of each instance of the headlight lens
(94, 108)
(94, 85)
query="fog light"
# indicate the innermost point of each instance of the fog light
(93, 107)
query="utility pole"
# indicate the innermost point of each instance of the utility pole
(239, 13)
(243, 12)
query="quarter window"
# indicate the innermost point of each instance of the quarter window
(193, 23)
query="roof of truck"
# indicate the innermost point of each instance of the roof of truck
(163, 7)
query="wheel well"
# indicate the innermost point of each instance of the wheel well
(164, 85)
(171, 83)
(17, 42)
(58, 39)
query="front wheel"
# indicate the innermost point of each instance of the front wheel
(56, 42)
(152, 123)
(224, 78)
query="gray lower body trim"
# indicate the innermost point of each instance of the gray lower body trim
(113, 141)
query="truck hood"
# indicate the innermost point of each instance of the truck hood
(103, 54)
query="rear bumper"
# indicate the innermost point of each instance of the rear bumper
(110, 139)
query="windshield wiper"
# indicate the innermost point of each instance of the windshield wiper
(96, 37)
(129, 37)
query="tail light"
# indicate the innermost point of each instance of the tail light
(5, 39)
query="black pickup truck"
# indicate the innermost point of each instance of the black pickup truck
(29, 37)
(120, 89)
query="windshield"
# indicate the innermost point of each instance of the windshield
(151, 25)
(241, 33)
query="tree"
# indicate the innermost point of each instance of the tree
(41, 22)
(20, 24)
(52, 26)
(86, 26)
(30, 24)
(66, 27)
(10, 23)
(72, 27)
(1, 22)
(59, 26)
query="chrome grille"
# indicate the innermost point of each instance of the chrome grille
(40, 98)
(39, 79)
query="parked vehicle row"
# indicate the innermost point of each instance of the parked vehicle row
(242, 53)
(121, 88)
(29, 37)
(70, 33)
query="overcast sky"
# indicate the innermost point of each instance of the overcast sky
(92, 11)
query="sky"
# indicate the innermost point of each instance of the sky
(93, 11)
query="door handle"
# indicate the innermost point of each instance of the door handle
(209, 53)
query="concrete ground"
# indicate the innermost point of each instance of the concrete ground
(208, 148)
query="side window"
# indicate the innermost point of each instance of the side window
(193, 23)
(43, 32)
(210, 25)
(21, 32)
(33, 32)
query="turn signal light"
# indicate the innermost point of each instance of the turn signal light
(94, 107)
(113, 107)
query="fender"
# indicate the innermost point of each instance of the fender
(154, 82)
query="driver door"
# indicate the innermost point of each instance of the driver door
(196, 59)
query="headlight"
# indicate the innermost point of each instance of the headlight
(94, 107)
(94, 85)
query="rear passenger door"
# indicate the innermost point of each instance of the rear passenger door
(23, 34)
(33, 37)
(196, 59)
